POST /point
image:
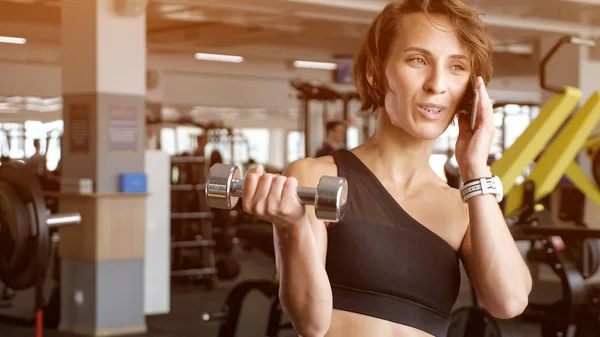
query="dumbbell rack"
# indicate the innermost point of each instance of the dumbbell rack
(184, 215)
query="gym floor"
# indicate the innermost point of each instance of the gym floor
(188, 302)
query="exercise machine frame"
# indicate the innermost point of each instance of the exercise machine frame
(549, 243)
(308, 92)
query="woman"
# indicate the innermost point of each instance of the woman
(391, 266)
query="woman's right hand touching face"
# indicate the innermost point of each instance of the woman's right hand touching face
(272, 198)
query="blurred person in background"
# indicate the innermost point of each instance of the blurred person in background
(335, 136)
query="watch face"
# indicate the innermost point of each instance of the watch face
(499, 185)
(499, 188)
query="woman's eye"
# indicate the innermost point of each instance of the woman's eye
(458, 67)
(418, 61)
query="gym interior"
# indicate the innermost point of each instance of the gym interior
(116, 234)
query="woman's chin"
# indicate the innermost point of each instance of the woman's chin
(422, 130)
(427, 132)
(430, 136)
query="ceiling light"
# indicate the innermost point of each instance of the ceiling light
(514, 49)
(586, 2)
(315, 65)
(13, 40)
(219, 58)
(9, 110)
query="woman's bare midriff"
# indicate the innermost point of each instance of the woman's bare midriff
(349, 324)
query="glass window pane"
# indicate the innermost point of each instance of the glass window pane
(167, 140)
(437, 161)
(295, 146)
(352, 137)
(257, 148)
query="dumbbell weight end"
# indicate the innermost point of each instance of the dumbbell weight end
(219, 186)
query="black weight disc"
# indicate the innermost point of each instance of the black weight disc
(587, 251)
(476, 322)
(15, 234)
(30, 192)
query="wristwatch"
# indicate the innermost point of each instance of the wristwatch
(481, 186)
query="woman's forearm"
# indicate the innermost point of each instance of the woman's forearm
(304, 290)
(502, 280)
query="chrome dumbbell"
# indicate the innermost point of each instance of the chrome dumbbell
(224, 188)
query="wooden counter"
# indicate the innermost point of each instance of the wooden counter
(112, 226)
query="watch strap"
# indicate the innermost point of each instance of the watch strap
(481, 186)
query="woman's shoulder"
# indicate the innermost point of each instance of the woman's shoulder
(453, 194)
(308, 171)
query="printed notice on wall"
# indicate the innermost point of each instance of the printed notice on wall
(79, 131)
(122, 128)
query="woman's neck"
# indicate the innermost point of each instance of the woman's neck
(397, 152)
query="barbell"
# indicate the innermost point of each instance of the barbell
(223, 189)
(24, 227)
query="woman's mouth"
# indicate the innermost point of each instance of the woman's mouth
(431, 111)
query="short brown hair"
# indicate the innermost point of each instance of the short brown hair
(331, 125)
(369, 73)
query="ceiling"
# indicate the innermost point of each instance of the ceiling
(333, 25)
(254, 28)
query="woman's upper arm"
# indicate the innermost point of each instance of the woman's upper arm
(466, 249)
(307, 173)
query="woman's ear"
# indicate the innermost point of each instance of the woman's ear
(372, 81)
(372, 76)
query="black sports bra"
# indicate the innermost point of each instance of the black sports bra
(381, 262)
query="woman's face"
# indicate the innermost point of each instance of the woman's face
(427, 72)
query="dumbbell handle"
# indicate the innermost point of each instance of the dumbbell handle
(306, 195)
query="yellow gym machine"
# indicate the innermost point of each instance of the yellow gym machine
(573, 253)
(592, 146)
(559, 156)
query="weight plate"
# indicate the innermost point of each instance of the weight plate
(332, 195)
(15, 233)
(219, 185)
(30, 192)
(585, 251)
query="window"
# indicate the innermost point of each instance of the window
(247, 144)
(13, 140)
(437, 161)
(254, 144)
(447, 140)
(186, 138)
(53, 132)
(295, 146)
(218, 140)
(514, 127)
(352, 137)
(167, 140)
(16, 140)
(33, 130)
